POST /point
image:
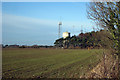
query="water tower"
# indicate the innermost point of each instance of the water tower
(66, 34)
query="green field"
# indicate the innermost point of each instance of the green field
(51, 63)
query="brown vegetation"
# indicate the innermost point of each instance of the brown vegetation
(107, 68)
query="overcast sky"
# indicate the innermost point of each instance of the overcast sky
(29, 23)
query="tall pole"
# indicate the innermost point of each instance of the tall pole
(59, 30)
(73, 30)
(81, 29)
(93, 28)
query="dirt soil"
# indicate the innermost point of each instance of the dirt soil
(107, 68)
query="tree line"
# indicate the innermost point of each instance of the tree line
(99, 39)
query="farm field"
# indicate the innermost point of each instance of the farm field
(50, 63)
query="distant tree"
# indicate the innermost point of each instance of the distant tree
(6, 46)
(59, 42)
(22, 46)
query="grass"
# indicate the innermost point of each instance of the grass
(51, 63)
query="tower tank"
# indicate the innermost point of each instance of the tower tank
(66, 34)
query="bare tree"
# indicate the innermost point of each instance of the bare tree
(107, 15)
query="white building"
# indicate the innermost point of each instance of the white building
(66, 34)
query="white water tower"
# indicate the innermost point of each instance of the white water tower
(66, 34)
